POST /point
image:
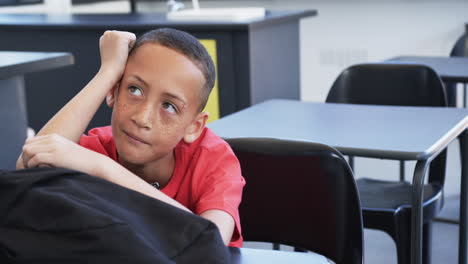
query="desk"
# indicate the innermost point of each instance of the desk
(260, 256)
(247, 58)
(450, 69)
(13, 118)
(404, 133)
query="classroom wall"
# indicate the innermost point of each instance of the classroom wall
(354, 31)
(348, 32)
(344, 32)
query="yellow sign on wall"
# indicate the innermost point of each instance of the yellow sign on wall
(212, 105)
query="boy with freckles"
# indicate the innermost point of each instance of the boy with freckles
(157, 143)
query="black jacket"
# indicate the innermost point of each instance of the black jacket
(63, 216)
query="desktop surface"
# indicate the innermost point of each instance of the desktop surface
(389, 132)
(138, 20)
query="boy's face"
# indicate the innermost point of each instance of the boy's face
(156, 105)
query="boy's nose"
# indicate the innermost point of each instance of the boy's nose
(143, 117)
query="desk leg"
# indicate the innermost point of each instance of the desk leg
(464, 95)
(416, 211)
(13, 121)
(462, 243)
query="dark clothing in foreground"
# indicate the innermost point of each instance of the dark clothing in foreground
(52, 215)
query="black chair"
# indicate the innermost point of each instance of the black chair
(459, 49)
(302, 195)
(387, 205)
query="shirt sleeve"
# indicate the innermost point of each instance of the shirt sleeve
(99, 140)
(222, 188)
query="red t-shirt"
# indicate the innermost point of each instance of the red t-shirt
(206, 176)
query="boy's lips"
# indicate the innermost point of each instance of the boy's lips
(135, 138)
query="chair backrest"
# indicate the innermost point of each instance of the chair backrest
(388, 84)
(460, 48)
(300, 194)
(393, 84)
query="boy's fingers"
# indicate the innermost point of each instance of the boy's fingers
(129, 36)
(132, 39)
(25, 159)
(39, 159)
(30, 150)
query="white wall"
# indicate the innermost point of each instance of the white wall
(348, 32)
(344, 34)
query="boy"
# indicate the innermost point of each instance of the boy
(157, 87)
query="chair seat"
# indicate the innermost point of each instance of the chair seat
(378, 195)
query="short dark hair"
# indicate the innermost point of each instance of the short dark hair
(190, 47)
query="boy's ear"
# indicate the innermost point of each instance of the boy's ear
(196, 128)
(111, 95)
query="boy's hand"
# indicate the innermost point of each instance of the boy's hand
(57, 151)
(114, 47)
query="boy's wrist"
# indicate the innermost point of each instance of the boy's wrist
(110, 74)
(98, 168)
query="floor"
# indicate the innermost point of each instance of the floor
(379, 247)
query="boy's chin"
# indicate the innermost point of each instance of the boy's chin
(133, 160)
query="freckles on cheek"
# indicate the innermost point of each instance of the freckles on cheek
(122, 108)
(169, 126)
(165, 131)
(119, 113)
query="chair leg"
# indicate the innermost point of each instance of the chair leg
(403, 244)
(464, 95)
(427, 243)
(451, 90)
(276, 246)
(296, 249)
(351, 162)
(402, 170)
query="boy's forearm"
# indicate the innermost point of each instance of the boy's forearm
(72, 120)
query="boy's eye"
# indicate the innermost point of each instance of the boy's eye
(135, 90)
(170, 108)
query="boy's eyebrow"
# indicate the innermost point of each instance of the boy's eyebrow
(140, 80)
(176, 98)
